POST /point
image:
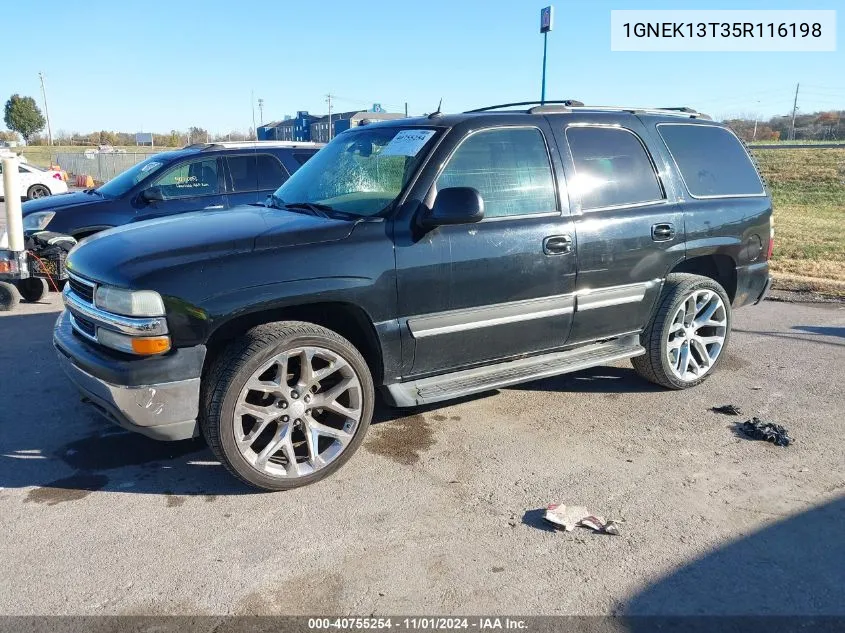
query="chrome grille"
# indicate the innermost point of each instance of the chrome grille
(81, 289)
(84, 325)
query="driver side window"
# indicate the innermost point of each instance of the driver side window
(194, 178)
(509, 167)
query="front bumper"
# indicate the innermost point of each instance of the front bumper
(158, 400)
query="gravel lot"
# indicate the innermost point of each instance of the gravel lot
(439, 512)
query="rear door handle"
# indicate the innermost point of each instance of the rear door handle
(557, 245)
(662, 232)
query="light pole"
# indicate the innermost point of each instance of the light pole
(546, 21)
(46, 111)
(756, 117)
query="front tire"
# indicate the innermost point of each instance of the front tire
(287, 404)
(688, 334)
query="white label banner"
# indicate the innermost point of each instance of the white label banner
(723, 30)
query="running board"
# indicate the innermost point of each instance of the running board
(469, 381)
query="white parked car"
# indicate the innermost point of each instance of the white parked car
(37, 182)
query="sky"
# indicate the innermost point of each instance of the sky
(162, 65)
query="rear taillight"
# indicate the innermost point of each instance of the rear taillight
(57, 175)
(771, 243)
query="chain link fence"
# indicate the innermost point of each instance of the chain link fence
(102, 167)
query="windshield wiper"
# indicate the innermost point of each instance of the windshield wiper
(93, 191)
(320, 210)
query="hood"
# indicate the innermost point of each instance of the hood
(61, 201)
(128, 253)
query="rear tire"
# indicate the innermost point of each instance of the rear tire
(687, 336)
(286, 404)
(33, 289)
(9, 296)
(37, 191)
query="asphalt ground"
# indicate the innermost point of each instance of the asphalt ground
(440, 511)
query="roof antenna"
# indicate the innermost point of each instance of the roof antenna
(437, 113)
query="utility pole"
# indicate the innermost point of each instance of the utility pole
(252, 103)
(794, 110)
(46, 111)
(329, 101)
(261, 110)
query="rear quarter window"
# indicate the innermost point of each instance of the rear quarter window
(712, 161)
(303, 156)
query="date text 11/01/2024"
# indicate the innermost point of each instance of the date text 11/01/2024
(722, 29)
(417, 623)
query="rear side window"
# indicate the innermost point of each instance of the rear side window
(612, 168)
(244, 174)
(711, 160)
(510, 169)
(271, 174)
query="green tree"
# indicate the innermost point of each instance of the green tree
(23, 116)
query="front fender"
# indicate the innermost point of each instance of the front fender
(194, 324)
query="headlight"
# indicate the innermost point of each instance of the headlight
(144, 303)
(37, 221)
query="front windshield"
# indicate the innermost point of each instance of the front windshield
(124, 181)
(361, 172)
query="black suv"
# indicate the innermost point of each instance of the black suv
(434, 258)
(198, 177)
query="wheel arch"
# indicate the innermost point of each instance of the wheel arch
(347, 319)
(719, 267)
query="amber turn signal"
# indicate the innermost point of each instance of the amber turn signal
(151, 345)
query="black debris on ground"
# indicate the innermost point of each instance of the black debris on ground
(758, 429)
(727, 409)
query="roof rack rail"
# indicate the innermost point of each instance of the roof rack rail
(564, 102)
(680, 112)
(570, 105)
(214, 145)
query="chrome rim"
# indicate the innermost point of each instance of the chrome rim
(697, 335)
(39, 192)
(298, 412)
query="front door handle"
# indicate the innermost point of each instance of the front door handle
(662, 232)
(557, 245)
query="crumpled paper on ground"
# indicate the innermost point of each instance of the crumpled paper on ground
(570, 517)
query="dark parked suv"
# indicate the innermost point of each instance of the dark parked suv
(433, 258)
(198, 177)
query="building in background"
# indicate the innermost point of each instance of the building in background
(267, 132)
(342, 121)
(296, 128)
(309, 127)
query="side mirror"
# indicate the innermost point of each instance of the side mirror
(152, 194)
(455, 205)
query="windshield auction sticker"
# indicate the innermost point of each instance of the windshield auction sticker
(407, 143)
(728, 30)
